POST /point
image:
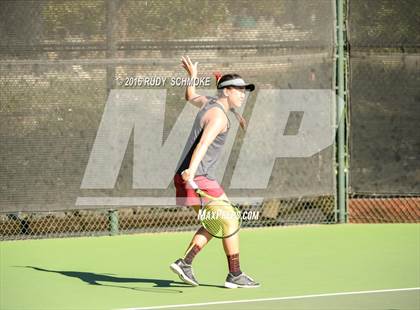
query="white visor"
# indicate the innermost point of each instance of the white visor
(238, 83)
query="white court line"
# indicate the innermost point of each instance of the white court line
(274, 298)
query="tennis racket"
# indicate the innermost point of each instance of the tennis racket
(221, 218)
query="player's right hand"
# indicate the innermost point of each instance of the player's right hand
(186, 175)
(189, 66)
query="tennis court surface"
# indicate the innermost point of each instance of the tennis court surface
(311, 267)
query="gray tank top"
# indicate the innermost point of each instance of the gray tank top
(207, 166)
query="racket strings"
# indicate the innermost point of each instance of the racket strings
(220, 218)
(214, 227)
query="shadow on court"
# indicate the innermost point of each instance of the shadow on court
(160, 285)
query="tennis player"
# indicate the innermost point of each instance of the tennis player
(198, 163)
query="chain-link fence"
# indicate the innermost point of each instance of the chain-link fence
(384, 209)
(47, 224)
(62, 60)
(384, 46)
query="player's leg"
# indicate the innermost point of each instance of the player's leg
(199, 240)
(202, 236)
(236, 278)
(183, 266)
(231, 247)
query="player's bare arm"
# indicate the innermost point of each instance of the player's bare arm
(214, 122)
(190, 93)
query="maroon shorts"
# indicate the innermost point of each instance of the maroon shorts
(186, 196)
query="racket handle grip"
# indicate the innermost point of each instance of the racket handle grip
(193, 185)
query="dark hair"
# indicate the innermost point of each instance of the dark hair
(228, 77)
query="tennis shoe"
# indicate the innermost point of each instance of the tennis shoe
(240, 281)
(184, 271)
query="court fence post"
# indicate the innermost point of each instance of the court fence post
(341, 115)
(113, 222)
